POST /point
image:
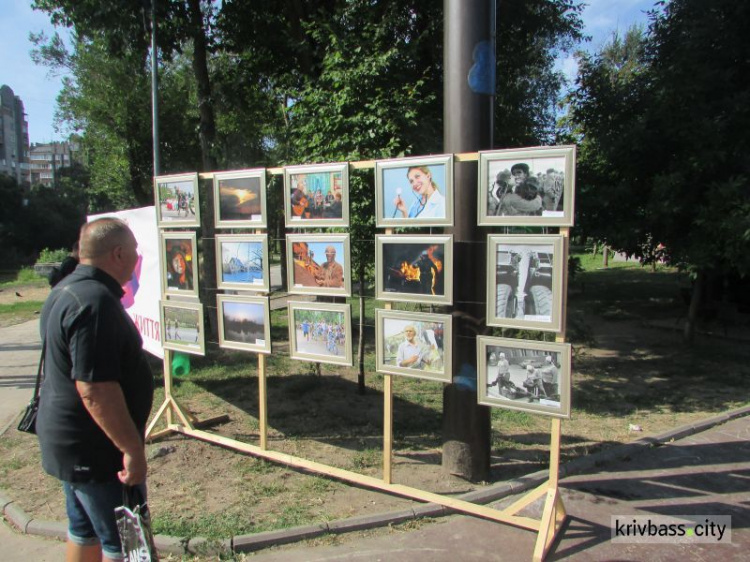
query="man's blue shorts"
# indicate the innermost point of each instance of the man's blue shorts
(91, 514)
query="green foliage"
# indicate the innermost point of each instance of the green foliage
(530, 35)
(52, 256)
(662, 120)
(27, 275)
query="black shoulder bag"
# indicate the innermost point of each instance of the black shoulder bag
(28, 420)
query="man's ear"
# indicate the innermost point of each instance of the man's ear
(117, 252)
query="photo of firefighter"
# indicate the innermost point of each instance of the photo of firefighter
(414, 268)
(523, 282)
(523, 375)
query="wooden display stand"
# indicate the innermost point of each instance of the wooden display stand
(553, 514)
(172, 406)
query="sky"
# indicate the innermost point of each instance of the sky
(28, 81)
(601, 19)
(38, 90)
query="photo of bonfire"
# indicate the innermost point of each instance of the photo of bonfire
(414, 268)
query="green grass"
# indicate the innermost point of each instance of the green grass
(25, 276)
(18, 312)
(368, 458)
(21, 307)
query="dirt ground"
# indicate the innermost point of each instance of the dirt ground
(27, 292)
(630, 379)
(21, 294)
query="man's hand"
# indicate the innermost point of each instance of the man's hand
(134, 468)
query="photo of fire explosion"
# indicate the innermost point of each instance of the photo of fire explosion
(414, 269)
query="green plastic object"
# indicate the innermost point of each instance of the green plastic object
(180, 364)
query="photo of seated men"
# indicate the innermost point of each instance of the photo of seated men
(413, 345)
(523, 375)
(316, 196)
(530, 188)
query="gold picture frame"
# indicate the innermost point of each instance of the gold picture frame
(320, 332)
(524, 375)
(413, 344)
(525, 281)
(527, 186)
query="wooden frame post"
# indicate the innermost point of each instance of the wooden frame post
(262, 402)
(171, 405)
(388, 415)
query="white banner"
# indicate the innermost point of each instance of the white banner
(143, 291)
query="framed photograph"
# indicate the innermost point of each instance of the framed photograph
(244, 323)
(179, 263)
(414, 191)
(240, 199)
(413, 344)
(525, 282)
(320, 332)
(530, 186)
(318, 264)
(316, 195)
(530, 376)
(412, 268)
(177, 201)
(242, 262)
(182, 327)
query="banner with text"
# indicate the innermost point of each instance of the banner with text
(143, 291)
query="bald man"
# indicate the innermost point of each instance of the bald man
(331, 273)
(97, 391)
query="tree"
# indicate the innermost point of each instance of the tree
(11, 195)
(682, 171)
(530, 35)
(122, 28)
(605, 111)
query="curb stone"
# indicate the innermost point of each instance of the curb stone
(17, 516)
(201, 545)
(52, 529)
(364, 522)
(171, 545)
(258, 541)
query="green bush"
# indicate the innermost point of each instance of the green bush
(52, 256)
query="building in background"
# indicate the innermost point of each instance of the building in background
(14, 137)
(46, 160)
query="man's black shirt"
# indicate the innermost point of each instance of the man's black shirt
(89, 338)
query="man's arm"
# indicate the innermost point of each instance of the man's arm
(106, 404)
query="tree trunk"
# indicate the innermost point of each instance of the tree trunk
(207, 263)
(696, 299)
(605, 256)
(361, 344)
(207, 131)
(469, 69)
(207, 136)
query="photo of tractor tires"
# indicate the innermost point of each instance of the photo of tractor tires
(524, 282)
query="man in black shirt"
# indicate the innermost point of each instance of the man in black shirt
(97, 391)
